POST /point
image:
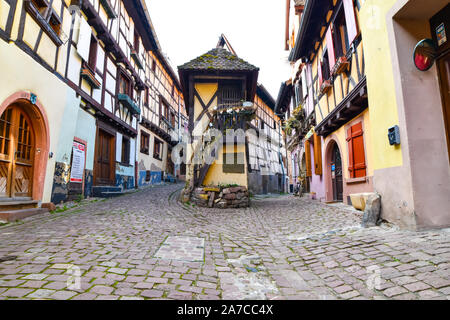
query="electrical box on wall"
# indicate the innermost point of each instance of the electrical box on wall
(394, 135)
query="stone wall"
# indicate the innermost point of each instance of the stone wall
(219, 197)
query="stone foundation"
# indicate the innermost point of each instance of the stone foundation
(218, 197)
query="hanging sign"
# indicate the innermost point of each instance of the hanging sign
(78, 161)
(441, 36)
(424, 55)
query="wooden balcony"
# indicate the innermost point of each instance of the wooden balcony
(129, 103)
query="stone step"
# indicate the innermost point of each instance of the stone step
(104, 191)
(18, 205)
(14, 215)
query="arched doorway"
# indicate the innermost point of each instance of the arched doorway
(24, 145)
(336, 173)
(17, 148)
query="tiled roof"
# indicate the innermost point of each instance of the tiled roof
(218, 59)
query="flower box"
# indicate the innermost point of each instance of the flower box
(341, 65)
(325, 87)
(89, 76)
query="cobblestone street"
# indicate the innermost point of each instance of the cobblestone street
(147, 245)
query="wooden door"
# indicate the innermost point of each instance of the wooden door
(104, 159)
(444, 76)
(336, 174)
(17, 144)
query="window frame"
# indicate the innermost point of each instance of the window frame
(126, 150)
(160, 143)
(145, 143)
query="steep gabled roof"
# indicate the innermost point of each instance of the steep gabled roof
(218, 59)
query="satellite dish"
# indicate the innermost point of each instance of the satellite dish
(424, 55)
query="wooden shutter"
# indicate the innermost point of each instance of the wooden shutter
(330, 46)
(357, 159)
(317, 155)
(304, 83)
(350, 19)
(308, 158)
(84, 39)
(319, 73)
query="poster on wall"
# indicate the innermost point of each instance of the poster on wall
(78, 161)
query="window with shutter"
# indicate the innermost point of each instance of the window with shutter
(357, 158)
(308, 158)
(350, 18)
(317, 155)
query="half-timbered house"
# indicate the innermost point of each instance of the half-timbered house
(221, 92)
(330, 91)
(80, 81)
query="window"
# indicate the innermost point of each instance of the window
(164, 109)
(46, 18)
(125, 85)
(153, 65)
(325, 66)
(136, 41)
(172, 119)
(125, 151)
(262, 125)
(340, 36)
(145, 142)
(157, 149)
(146, 97)
(92, 61)
(230, 94)
(356, 156)
(238, 164)
(173, 90)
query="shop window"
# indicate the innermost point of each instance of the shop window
(125, 151)
(157, 149)
(357, 159)
(145, 142)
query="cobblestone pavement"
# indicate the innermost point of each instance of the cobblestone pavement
(147, 245)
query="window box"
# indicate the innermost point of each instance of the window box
(129, 103)
(109, 9)
(325, 87)
(135, 56)
(52, 27)
(341, 65)
(89, 76)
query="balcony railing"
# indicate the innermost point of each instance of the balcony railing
(129, 103)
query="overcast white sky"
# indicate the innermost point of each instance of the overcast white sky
(187, 29)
